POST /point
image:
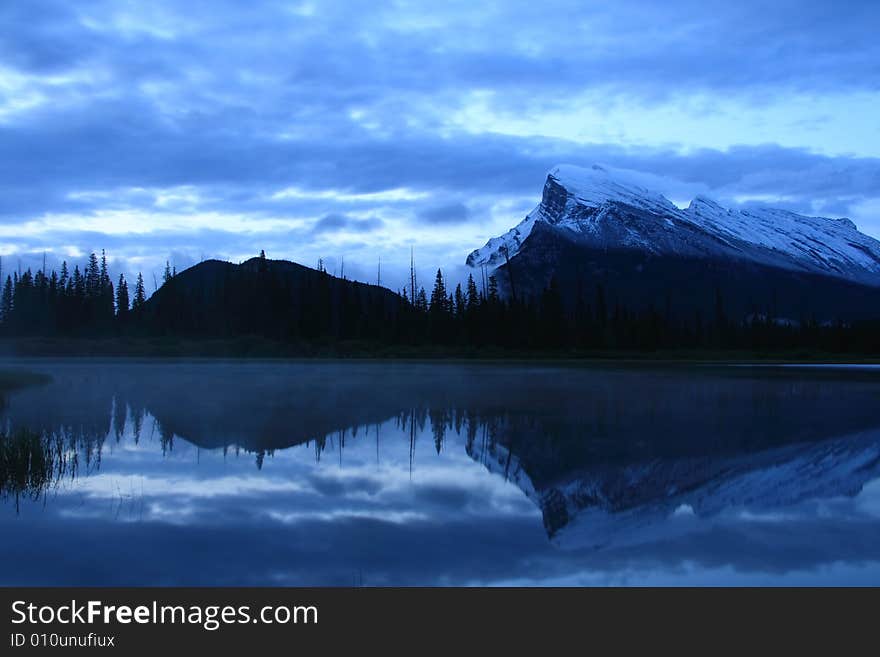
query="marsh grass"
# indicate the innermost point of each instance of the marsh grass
(31, 464)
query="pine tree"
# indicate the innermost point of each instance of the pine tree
(473, 297)
(422, 300)
(493, 290)
(78, 283)
(460, 303)
(105, 274)
(438, 294)
(6, 301)
(122, 305)
(93, 277)
(105, 310)
(167, 276)
(108, 305)
(140, 296)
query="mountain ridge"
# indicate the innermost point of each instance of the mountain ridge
(610, 209)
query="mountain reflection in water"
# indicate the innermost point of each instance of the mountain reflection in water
(400, 473)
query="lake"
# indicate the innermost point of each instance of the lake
(398, 473)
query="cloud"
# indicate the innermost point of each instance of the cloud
(452, 213)
(145, 127)
(333, 223)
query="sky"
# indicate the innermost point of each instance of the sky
(184, 130)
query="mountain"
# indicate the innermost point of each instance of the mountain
(605, 504)
(276, 299)
(599, 226)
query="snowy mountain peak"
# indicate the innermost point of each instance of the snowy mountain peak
(605, 208)
(705, 204)
(598, 185)
(572, 194)
(847, 222)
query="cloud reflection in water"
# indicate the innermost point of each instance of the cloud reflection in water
(461, 481)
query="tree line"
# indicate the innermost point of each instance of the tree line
(267, 300)
(82, 302)
(593, 321)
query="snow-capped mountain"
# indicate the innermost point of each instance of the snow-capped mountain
(602, 227)
(605, 504)
(607, 209)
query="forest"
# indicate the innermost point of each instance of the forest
(291, 305)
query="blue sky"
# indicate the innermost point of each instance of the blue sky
(186, 130)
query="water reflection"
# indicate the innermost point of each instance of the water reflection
(335, 473)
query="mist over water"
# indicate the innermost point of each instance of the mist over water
(350, 473)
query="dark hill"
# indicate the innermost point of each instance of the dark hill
(275, 299)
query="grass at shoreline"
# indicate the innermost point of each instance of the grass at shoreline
(258, 348)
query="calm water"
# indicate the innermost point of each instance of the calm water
(212, 473)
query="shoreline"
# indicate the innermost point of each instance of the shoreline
(255, 349)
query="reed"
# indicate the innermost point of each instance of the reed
(30, 463)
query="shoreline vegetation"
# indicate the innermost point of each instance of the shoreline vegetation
(256, 347)
(30, 463)
(264, 308)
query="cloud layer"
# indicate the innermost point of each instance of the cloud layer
(346, 129)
